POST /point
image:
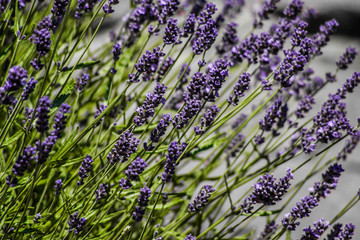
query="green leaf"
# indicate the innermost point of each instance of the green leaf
(16, 21)
(56, 57)
(81, 65)
(143, 128)
(3, 53)
(65, 93)
(12, 139)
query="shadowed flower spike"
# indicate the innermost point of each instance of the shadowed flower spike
(347, 58)
(190, 109)
(267, 8)
(217, 74)
(28, 89)
(60, 120)
(229, 39)
(196, 85)
(335, 232)
(143, 202)
(42, 41)
(108, 7)
(76, 224)
(294, 9)
(82, 81)
(207, 13)
(319, 228)
(44, 148)
(23, 162)
(101, 192)
(85, 169)
(304, 106)
(174, 152)
(148, 64)
(348, 231)
(36, 64)
(349, 146)
(268, 231)
(165, 66)
(201, 199)
(167, 8)
(58, 186)
(84, 6)
(97, 114)
(42, 114)
(123, 148)
(207, 120)
(116, 51)
(190, 237)
(205, 37)
(59, 7)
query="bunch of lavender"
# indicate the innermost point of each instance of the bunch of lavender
(111, 137)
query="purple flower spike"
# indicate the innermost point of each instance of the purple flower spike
(143, 201)
(348, 231)
(84, 6)
(171, 33)
(23, 162)
(85, 169)
(16, 79)
(294, 9)
(240, 87)
(347, 58)
(29, 88)
(58, 187)
(76, 224)
(175, 152)
(160, 128)
(201, 199)
(42, 41)
(319, 228)
(101, 192)
(42, 114)
(116, 51)
(82, 81)
(59, 7)
(190, 237)
(44, 148)
(189, 26)
(268, 231)
(148, 63)
(123, 148)
(206, 35)
(135, 169)
(229, 39)
(60, 120)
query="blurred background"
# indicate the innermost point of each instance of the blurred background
(347, 13)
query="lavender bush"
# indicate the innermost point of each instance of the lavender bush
(158, 133)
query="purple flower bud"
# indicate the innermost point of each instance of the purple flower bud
(123, 148)
(44, 148)
(229, 39)
(240, 87)
(160, 129)
(85, 169)
(116, 51)
(125, 183)
(206, 35)
(84, 6)
(36, 64)
(135, 169)
(189, 26)
(16, 79)
(270, 228)
(60, 120)
(11, 181)
(164, 68)
(58, 187)
(174, 152)
(82, 81)
(101, 192)
(171, 33)
(42, 41)
(347, 58)
(294, 9)
(37, 217)
(148, 63)
(143, 201)
(29, 88)
(23, 162)
(59, 7)
(304, 106)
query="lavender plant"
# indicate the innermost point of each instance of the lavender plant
(176, 126)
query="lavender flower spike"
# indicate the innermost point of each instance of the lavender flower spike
(23, 162)
(101, 192)
(16, 79)
(60, 120)
(58, 186)
(201, 199)
(123, 148)
(76, 224)
(42, 114)
(175, 152)
(135, 169)
(143, 202)
(28, 89)
(85, 169)
(171, 32)
(190, 237)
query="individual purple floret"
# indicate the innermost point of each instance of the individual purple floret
(125, 183)
(349, 146)
(143, 201)
(152, 101)
(148, 63)
(135, 169)
(28, 89)
(229, 39)
(174, 152)
(101, 192)
(267, 8)
(267, 191)
(164, 68)
(294, 9)
(16, 79)
(304, 106)
(207, 120)
(84, 6)
(76, 224)
(171, 33)
(217, 74)
(42, 114)
(82, 81)
(268, 231)
(347, 58)
(59, 7)
(160, 129)
(201, 199)
(190, 237)
(37, 217)
(44, 148)
(97, 114)
(123, 148)
(60, 120)
(23, 161)
(348, 231)
(58, 187)
(190, 109)
(189, 26)
(302, 209)
(116, 51)
(85, 169)
(319, 228)
(205, 37)
(42, 41)
(241, 85)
